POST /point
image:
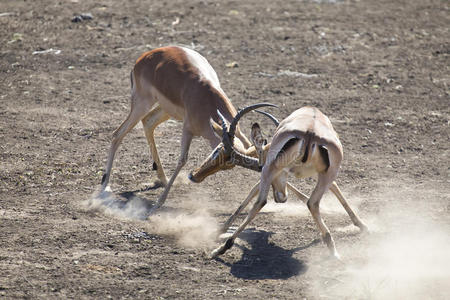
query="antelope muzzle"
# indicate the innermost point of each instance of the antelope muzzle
(218, 160)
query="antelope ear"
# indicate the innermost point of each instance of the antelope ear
(216, 128)
(256, 136)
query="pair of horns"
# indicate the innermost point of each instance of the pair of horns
(232, 129)
(228, 136)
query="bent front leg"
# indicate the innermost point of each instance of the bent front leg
(185, 144)
(264, 187)
(314, 207)
(230, 241)
(243, 205)
(299, 194)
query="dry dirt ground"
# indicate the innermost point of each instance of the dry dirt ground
(379, 69)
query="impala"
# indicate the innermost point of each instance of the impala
(304, 144)
(179, 83)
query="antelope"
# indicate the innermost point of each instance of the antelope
(304, 144)
(179, 83)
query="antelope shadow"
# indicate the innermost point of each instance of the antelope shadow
(264, 259)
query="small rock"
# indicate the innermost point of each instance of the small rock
(77, 19)
(296, 74)
(263, 74)
(176, 22)
(232, 64)
(87, 16)
(47, 51)
(7, 14)
(82, 17)
(17, 37)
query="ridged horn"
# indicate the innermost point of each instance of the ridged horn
(242, 112)
(270, 116)
(246, 161)
(225, 135)
(224, 122)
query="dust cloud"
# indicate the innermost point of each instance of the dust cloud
(294, 207)
(287, 209)
(192, 226)
(406, 255)
(191, 230)
(126, 207)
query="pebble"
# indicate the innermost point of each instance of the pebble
(82, 17)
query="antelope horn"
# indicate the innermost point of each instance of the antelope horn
(225, 135)
(228, 136)
(236, 157)
(270, 116)
(224, 122)
(242, 112)
(246, 161)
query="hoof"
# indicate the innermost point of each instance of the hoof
(104, 191)
(215, 253)
(363, 228)
(222, 249)
(335, 255)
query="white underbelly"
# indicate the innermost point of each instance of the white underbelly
(174, 111)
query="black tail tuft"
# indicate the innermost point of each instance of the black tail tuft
(308, 138)
(305, 156)
(288, 145)
(324, 154)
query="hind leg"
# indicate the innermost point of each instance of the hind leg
(155, 117)
(133, 118)
(313, 205)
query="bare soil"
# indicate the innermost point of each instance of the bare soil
(378, 69)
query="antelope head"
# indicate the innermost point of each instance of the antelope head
(259, 141)
(230, 153)
(262, 148)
